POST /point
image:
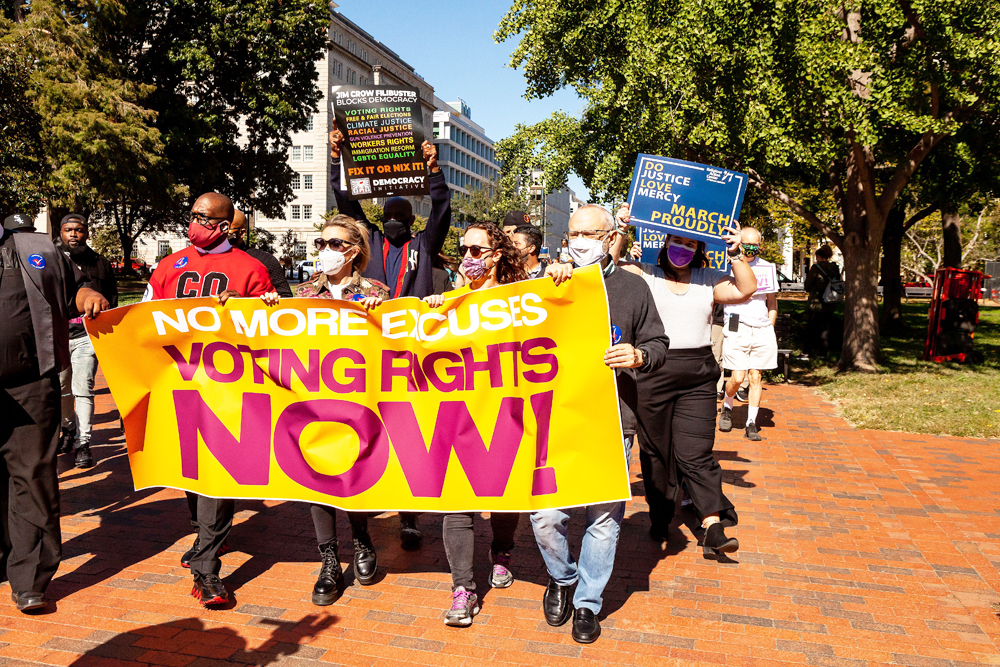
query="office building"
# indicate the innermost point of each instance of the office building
(465, 154)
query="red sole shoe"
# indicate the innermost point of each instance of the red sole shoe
(196, 594)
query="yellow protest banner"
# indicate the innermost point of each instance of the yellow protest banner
(499, 400)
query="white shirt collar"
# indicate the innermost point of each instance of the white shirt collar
(222, 247)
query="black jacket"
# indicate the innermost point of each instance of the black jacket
(418, 280)
(51, 297)
(274, 269)
(98, 270)
(635, 319)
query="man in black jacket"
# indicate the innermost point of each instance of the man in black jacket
(40, 289)
(238, 233)
(401, 259)
(528, 241)
(77, 380)
(638, 344)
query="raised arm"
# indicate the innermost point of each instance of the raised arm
(344, 203)
(622, 218)
(440, 217)
(743, 283)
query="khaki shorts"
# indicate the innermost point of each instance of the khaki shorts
(750, 348)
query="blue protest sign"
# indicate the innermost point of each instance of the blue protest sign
(670, 196)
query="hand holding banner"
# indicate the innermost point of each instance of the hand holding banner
(497, 401)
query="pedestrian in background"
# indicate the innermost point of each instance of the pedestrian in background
(77, 379)
(821, 312)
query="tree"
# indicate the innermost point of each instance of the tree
(148, 103)
(22, 165)
(482, 204)
(848, 98)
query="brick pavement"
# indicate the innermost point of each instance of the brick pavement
(858, 548)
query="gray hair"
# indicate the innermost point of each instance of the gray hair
(609, 220)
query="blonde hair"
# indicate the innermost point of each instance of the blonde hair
(357, 235)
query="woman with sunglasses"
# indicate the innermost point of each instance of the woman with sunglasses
(489, 258)
(677, 404)
(343, 254)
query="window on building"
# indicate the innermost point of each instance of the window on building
(307, 182)
(162, 248)
(437, 132)
(296, 181)
(296, 153)
(310, 123)
(307, 153)
(363, 81)
(307, 212)
(300, 249)
(296, 212)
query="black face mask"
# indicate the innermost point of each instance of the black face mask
(395, 230)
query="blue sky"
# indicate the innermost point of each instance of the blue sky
(450, 44)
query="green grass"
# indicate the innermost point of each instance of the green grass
(913, 395)
(130, 291)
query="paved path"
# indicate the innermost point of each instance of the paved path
(858, 548)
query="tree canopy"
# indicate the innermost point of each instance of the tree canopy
(847, 97)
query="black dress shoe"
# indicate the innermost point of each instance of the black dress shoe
(330, 584)
(28, 601)
(409, 532)
(66, 439)
(365, 559)
(555, 603)
(189, 554)
(84, 459)
(586, 627)
(716, 540)
(208, 589)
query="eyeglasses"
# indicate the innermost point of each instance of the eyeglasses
(750, 248)
(334, 244)
(592, 234)
(204, 220)
(474, 250)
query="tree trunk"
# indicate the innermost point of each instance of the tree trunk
(861, 332)
(951, 227)
(891, 318)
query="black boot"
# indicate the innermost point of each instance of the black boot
(66, 439)
(330, 583)
(409, 531)
(365, 559)
(716, 540)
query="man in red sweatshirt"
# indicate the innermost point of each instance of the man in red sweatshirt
(209, 267)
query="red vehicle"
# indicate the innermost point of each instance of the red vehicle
(137, 266)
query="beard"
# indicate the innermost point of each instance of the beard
(76, 250)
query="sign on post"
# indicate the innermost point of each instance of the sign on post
(670, 196)
(383, 131)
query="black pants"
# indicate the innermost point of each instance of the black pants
(29, 485)
(677, 420)
(819, 323)
(460, 542)
(213, 517)
(325, 521)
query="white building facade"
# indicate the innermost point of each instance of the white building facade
(465, 154)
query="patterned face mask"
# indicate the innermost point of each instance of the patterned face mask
(750, 249)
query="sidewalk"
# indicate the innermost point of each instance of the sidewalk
(857, 548)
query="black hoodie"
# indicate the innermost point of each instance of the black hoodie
(101, 275)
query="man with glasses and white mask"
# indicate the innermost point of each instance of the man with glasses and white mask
(638, 344)
(211, 266)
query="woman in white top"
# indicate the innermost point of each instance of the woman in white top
(677, 404)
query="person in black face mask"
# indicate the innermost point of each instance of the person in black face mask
(401, 259)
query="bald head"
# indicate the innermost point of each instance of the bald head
(216, 206)
(591, 216)
(239, 221)
(750, 235)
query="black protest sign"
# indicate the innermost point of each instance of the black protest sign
(383, 130)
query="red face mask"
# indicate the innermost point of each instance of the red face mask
(203, 237)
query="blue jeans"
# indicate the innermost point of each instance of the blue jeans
(597, 553)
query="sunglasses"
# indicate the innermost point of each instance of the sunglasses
(750, 248)
(204, 220)
(333, 244)
(475, 250)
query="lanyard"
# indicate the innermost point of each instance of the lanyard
(402, 265)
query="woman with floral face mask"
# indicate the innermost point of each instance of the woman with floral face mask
(343, 254)
(489, 258)
(677, 404)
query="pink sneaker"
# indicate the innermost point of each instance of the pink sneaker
(464, 605)
(501, 576)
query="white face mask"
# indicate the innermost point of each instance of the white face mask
(331, 261)
(585, 252)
